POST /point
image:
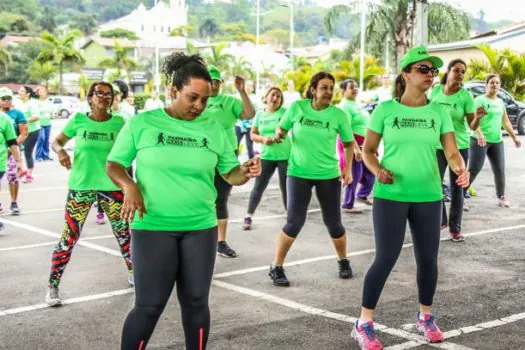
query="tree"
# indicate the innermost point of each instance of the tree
(394, 19)
(47, 22)
(120, 61)
(85, 22)
(61, 51)
(42, 72)
(242, 67)
(182, 30)
(209, 28)
(219, 59)
(26, 8)
(119, 33)
(13, 22)
(5, 59)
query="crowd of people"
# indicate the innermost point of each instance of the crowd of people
(163, 177)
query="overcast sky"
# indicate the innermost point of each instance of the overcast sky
(494, 9)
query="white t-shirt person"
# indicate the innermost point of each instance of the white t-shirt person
(153, 103)
(290, 95)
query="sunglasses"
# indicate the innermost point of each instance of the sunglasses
(6, 98)
(101, 94)
(424, 69)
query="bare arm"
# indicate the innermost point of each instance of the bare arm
(371, 160)
(133, 200)
(510, 130)
(280, 134)
(32, 119)
(455, 160)
(256, 137)
(349, 156)
(248, 112)
(58, 147)
(239, 175)
(24, 132)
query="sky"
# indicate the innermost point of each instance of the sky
(495, 10)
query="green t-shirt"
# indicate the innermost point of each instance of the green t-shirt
(46, 110)
(410, 135)
(458, 106)
(175, 168)
(358, 116)
(225, 110)
(30, 109)
(93, 142)
(314, 134)
(266, 123)
(492, 123)
(7, 133)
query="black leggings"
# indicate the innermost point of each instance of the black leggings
(496, 154)
(29, 148)
(457, 197)
(261, 182)
(223, 193)
(390, 220)
(161, 259)
(328, 194)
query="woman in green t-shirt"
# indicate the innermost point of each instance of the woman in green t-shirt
(226, 110)
(95, 134)
(459, 103)
(172, 203)
(30, 109)
(274, 155)
(487, 141)
(408, 188)
(315, 124)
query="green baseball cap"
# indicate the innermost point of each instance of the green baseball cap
(6, 92)
(417, 54)
(215, 73)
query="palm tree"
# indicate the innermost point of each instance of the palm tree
(219, 59)
(42, 71)
(209, 28)
(5, 59)
(394, 19)
(242, 67)
(61, 51)
(120, 61)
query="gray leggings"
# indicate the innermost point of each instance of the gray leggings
(261, 182)
(496, 154)
(390, 221)
(161, 260)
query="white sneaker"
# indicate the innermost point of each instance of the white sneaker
(52, 297)
(504, 202)
(131, 279)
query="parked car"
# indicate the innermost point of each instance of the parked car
(65, 105)
(515, 109)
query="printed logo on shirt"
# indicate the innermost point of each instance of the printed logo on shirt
(413, 123)
(182, 141)
(98, 136)
(215, 106)
(314, 123)
(450, 105)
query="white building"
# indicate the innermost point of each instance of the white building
(158, 21)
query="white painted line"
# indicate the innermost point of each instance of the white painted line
(67, 302)
(272, 216)
(404, 346)
(94, 238)
(39, 189)
(350, 254)
(25, 212)
(56, 235)
(20, 247)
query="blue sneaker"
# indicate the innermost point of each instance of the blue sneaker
(15, 210)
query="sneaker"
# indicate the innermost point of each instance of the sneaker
(52, 297)
(443, 226)
(2, 226)
(363, 200)
(278, 277)
(429, 328)
(15, 210)
(352, 210)
(365, 335)
(466, 194)
(224, 250)
(101, 219)
(345, 270)
(28, 178)
(457, 237)
(1, 208)
(247, 224)
(504, 202)
(472, 191)
(131, 278)
(466, 208)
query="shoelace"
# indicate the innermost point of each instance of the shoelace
(369, 331)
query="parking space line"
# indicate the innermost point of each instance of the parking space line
(20, 247)
(350, 254)
(272, 216)
(19, 310)
(56, 235)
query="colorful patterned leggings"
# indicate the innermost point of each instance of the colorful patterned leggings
(77, 209)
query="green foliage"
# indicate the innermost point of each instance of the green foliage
(120, 61)
(13, 22)
(42, 72)
(85, 22)
(183, 30)
(26, 8)
(119, 33)
(140, 100)
(47, 22)
(22, 56)
(219, 59)
(5, 59)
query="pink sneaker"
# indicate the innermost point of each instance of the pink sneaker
(28, 178)
(365, 335)
(100, 219)
(429, 328)
(457, 237)
(504, 202)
